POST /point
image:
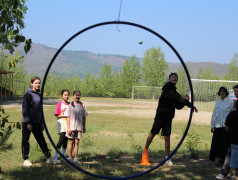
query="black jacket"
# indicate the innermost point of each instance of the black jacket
(31, 107)
(169, 100)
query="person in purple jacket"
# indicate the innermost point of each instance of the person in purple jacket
(32, 122)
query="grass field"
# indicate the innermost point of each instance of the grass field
(112, 146)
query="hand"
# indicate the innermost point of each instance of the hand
(42, 127)
(195, 109)
(212, 130)
(69, 131)
(29, 127)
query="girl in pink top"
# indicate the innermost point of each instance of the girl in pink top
(76, 124)
(62, 113)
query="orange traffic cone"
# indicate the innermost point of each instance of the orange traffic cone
(145, 159)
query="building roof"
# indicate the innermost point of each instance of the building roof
(6, 72)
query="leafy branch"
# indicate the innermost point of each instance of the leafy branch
(5, 132)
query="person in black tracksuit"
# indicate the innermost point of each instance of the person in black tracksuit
(32, 121)
(169, 100)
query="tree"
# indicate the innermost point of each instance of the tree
(232, 72)
(130, 75)
(5, 132)
(89, 85)
(182, 85)
(105, 81)
(117, 88)
(11, 23)
(199, 73)
(154, 67)
(208, 73)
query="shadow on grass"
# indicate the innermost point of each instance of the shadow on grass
(119, 164)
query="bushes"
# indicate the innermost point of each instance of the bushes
(5, 132)
(192, 143)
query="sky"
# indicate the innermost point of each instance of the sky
(200, 31)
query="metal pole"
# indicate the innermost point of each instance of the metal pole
(12, 83)
(6, 86)
(1, 85)
(9, 86)
(132, 92)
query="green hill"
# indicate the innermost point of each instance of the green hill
(69, 63)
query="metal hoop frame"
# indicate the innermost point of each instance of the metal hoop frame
(189, 81)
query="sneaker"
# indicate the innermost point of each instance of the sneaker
(70, 159)
(52, 161)
(27, 163)
(220, 176)
(55, 161)
(75, 160)
(234, 177)
(169, 162)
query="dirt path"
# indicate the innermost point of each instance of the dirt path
(128, 108)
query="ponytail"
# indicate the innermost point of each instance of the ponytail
(72, 103)
(81, 104)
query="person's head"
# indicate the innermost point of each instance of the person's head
(35, 83)
(173, 78)
(77, 95)
(65, 94)
(223, 92)
(235, 88)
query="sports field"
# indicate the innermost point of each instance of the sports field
(112, 146)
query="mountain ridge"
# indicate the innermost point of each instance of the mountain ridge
(39, 57)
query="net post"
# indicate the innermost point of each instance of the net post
(132, 95)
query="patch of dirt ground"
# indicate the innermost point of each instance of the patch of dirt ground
(149, 110)
(131, 109)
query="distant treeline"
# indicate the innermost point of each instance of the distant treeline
(113, 83)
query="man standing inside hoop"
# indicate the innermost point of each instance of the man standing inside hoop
(169, 100)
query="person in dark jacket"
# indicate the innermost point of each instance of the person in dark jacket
(232, 128)
(169, 100)
(32, 122)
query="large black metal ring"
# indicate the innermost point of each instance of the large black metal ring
(189, 81)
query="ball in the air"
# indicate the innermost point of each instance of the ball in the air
(140, 42)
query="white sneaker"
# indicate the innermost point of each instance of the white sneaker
(169, 162)
(52, 161)
(75, 160)
(234, 177)
(220, 176)
(27, 163)
(55, 161)
(70, 159)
